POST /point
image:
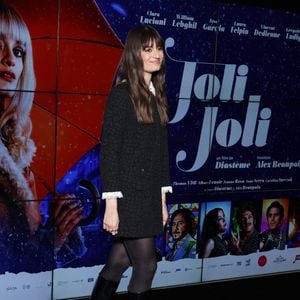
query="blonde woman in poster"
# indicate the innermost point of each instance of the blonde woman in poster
(26, 243)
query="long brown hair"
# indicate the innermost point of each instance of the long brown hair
(131, 70)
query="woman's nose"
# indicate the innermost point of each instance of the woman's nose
(8, 58)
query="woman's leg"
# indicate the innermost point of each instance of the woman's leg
(143, 259)
(117, 262)
(109, 277)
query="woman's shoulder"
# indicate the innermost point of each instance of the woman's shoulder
(121, 87)
(119, 92)
(118, 98)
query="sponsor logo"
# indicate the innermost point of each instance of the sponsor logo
(211, 266)
(26, 286)
(248, 262)
(297, 257)
(62, 283)
(279, 259)
(77, 280)
(226, 265)
(262, 260)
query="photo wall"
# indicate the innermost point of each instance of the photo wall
(233, 93)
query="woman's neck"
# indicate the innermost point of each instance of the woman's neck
(147, 78)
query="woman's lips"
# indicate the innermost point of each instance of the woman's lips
(7, 76)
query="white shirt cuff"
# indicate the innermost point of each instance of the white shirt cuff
(109, 195)
(166, 189)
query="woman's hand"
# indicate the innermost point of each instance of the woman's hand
(111, 216)
(165, 213)
(66, 213)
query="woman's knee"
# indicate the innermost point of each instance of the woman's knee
(153, 266)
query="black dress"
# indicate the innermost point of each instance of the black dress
(134, 160)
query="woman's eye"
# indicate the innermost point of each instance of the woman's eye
(19, 52)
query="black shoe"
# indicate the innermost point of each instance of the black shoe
(104, 289)
(140, 296)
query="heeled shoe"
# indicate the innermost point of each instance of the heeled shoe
(139, 296)
(104, 289)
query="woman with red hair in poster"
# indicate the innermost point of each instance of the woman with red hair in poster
(26, 243)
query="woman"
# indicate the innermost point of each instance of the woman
(212, 241)
(134, 164)
(25, 242)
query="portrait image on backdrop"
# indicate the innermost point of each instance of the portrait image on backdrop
(181, 236)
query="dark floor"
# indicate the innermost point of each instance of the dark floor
(279, 286)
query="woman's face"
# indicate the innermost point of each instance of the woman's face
(152, 57)
(221, 222)
(11, 64)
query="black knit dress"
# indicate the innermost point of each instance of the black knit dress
(134, 161)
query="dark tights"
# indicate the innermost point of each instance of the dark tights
(138, 253)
